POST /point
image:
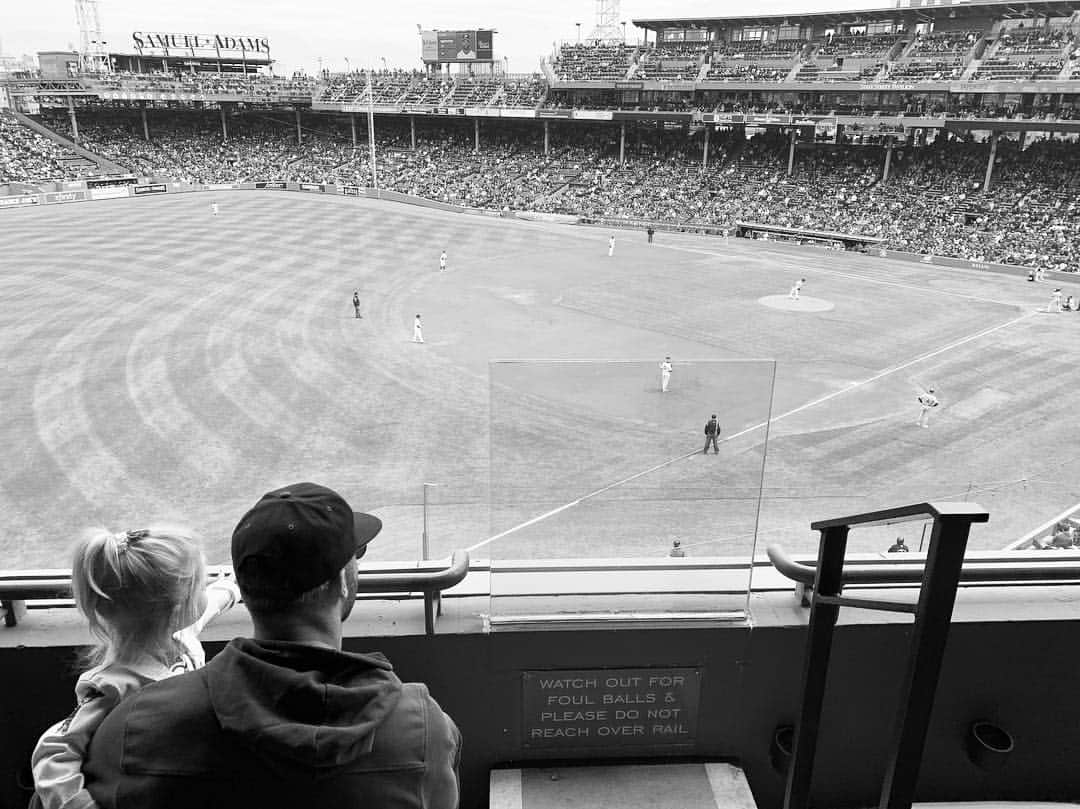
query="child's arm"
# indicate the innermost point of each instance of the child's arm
(221, 595)
(58, 756)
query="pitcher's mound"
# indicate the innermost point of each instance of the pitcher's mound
(803, 304)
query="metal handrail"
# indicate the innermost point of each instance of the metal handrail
(895, 571)
(431, 582)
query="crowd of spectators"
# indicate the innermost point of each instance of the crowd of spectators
(258, 85)
(932, 203)
(859, 45)
(592, 62)
(414, 88)
(27, 156)
(1021, 41)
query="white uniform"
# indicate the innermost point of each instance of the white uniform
(927, 401)
(417, 331)
(794, 294)
(214, 208)
(665, 375)
(1055, 301)
(442, 262)
(611, 246)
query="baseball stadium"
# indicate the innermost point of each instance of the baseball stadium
(503, 313)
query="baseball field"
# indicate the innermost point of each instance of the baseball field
(165, 364)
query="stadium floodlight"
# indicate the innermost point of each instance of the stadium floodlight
(607, 21)
(92, 55)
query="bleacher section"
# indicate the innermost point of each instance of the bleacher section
(593, 62)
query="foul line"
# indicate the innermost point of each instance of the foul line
(792, 412)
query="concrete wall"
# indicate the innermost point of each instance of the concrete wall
(1018, 673)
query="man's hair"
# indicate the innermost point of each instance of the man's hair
(319, 595)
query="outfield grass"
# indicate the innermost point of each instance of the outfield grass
(165, 364)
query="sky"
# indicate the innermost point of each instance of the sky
(364, 31)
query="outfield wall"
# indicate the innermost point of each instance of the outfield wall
(81, 192)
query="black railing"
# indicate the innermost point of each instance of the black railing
(933, 614)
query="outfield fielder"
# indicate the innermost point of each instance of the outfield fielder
(356, 302)
(927, 401)
(665, 374)
(442, 261)
(417, 331)
(611, 246)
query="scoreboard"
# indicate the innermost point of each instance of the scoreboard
(457, 46)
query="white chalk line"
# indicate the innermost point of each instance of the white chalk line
(813, 403)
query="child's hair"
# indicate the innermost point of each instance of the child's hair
(136, 589)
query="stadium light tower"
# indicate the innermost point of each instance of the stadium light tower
(607, 21)
(92, 55)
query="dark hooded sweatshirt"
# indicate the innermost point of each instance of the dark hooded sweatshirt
(274, 724)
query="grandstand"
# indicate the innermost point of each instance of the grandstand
(530, 505)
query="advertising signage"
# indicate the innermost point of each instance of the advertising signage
(252, 48)
(461, 46)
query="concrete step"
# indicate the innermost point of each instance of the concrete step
(639, 786)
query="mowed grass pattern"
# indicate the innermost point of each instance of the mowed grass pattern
(165, 364)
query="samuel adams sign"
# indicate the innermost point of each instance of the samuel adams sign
(253, 48)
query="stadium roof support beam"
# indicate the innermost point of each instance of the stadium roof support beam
(994, 136)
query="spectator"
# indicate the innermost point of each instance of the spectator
(287, 718)
(138, 590)
(899, 546)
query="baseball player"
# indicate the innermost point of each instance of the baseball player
(712, 429)
(417, 331)
(1055, 301)
(214, 208)
(356, 302)
(611, 246)
(665, 374)
(796, 288)
(442, 261)
(927, 401)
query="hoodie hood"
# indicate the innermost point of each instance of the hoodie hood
(300, 706)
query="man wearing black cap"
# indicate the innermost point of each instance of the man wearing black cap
(286, 718)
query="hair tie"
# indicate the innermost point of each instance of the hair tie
(125, 539)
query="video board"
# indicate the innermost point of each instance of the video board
(457, 46)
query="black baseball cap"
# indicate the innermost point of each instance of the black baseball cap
(296, 538)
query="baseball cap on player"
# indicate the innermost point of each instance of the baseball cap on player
(296, 538)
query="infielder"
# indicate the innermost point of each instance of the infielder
(665, 374)
(417, 331)
(927, 401)
(1055, 301)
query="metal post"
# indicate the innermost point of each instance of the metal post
(352, 123)
(888, 159)
(547, 138)
(476, 134)
(145, 124)
(933, 615)
(299, 136)
(412, 131)
(424, 547)
(705, 152)
(990, 162)
(791, 152)
(622, 144)
(830, 567)
(72, 119)
(371, 131)
(224, 125)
